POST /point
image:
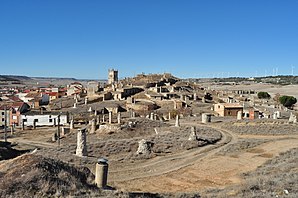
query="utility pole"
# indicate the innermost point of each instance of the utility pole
(5, 124)
(58, 132)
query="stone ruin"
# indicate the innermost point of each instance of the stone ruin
(93, 126)
(144, 147)
(81, 143)
(206, 117)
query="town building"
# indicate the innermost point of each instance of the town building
(228, 109)
(42, 118)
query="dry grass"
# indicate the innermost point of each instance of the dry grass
(276, 178)
(260, 127)
(241, 145)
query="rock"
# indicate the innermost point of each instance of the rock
(144, 147)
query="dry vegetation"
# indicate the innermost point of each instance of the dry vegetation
(260, 127)
(240, 146)
(32, 175)
(276, 178)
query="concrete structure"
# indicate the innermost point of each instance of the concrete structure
(112, 76)
(54, 137)
(193, 134)
(34, 124)
(239, 115)
(274, 116)
(64, 131)
(119, 118)
(93, 126)
(103, 118)
(278, 114)
(206, 117)
(203, 100)
(151, 116)
(101, 173)
(81, 143)
(110, 117)
(228, 109)
(71, 125)
(293, 118)
(177, 123)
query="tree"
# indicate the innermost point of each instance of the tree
(287, 101)
(263, 95)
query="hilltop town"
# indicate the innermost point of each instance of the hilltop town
(148, 135)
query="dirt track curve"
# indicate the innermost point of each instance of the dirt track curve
(165, 164)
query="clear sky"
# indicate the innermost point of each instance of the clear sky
(189, 38)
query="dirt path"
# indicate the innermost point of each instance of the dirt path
(166, 164)
(198, 170)
(31, 143)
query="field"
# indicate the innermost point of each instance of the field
(227, 155)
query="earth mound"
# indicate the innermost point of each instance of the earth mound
(6, 152)
(37, 176)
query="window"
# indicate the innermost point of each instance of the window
(219, 106)
(3, 113)
(35, 120)
(2, 119)
(50, 120)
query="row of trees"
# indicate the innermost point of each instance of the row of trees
(287, 101)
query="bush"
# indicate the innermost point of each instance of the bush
(287, 101)
(262, 95)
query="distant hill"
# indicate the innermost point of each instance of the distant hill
(53, 78)
(13, 78)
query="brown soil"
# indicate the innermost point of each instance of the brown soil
(216, 165)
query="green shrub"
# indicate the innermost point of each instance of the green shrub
(262, 95)
(287, 101)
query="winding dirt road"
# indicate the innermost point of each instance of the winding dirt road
(200, 168)
(169, 163)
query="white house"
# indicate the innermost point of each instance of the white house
(44, 118)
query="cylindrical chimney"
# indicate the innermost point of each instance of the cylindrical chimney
(101, 173)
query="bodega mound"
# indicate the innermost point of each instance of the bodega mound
(34, 175)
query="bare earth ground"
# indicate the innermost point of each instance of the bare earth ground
(270, 88)
(217, 165)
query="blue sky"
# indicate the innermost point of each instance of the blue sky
(193, 38)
